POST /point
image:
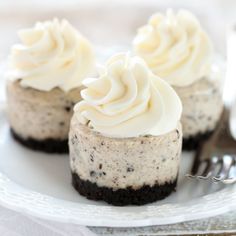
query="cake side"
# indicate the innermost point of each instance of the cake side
(40, 115)
(119, 163)
(202, 108)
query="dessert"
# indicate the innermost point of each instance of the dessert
(44, 82)
(125, 137)
(177, 49)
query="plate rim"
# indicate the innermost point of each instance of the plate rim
(93, 221)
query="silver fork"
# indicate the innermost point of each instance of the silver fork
(215, 158)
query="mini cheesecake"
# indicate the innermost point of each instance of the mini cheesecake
(125, 137)
(44, 82)
(177, 49)
(123, 171)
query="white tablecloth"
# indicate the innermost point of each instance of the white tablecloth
(16, 224)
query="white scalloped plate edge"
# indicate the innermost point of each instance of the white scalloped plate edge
(35, 204)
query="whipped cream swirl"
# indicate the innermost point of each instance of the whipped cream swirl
(175, 47)
(52, 54)
(127, 100)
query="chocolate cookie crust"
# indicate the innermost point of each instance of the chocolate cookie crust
(47, 145)
(192, 143)
(121, 197)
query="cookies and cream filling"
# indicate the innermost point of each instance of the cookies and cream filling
(119, 163)
(38, 115)
(202, 108)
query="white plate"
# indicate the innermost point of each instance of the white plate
(40, 185)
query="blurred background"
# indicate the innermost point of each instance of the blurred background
(109, 23)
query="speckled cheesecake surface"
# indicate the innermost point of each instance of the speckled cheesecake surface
(40, 120)
(202, 108)
(130, 164)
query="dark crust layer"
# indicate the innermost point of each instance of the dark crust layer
(47, 145)
(122, 197)
(192, 143)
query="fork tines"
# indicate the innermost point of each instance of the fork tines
(218, 169)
